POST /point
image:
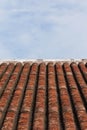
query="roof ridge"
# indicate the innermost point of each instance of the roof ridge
(43, 60)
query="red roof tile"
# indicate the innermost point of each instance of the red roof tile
(43, 96)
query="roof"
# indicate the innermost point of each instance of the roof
(43, 95)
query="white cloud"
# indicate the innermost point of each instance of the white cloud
(43, 28)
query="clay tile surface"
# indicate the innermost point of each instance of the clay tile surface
(43, 95)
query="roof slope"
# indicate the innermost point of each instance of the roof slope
(43, 96)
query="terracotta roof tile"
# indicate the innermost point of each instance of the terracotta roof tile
(43, 95)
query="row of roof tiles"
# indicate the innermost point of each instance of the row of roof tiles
(43, 96)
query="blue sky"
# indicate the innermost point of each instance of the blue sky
(48, 29)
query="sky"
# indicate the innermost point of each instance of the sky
(43, 29)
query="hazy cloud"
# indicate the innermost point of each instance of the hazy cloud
(43, 29)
